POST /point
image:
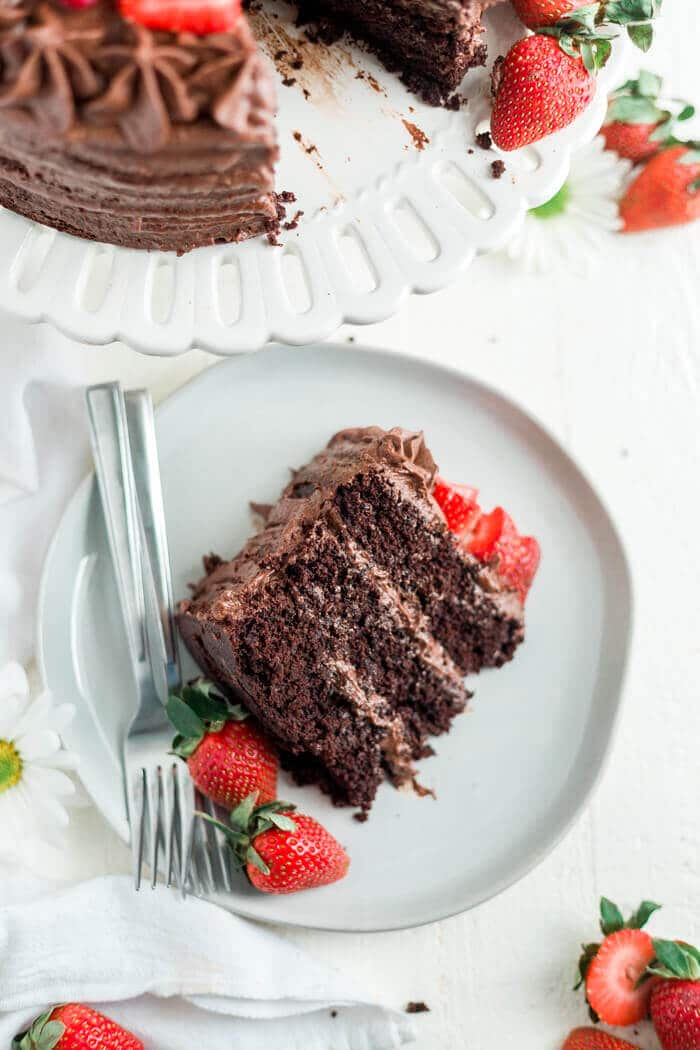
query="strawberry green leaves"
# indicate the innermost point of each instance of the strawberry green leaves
(636, 16)
(675, 960)
(611, 919)
(246, 822)
(640, 101)
(196, 710)
(43, 1035)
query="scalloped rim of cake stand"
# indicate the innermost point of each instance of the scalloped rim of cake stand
(161, 304)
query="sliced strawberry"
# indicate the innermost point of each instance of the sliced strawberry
(487, 532)
(458, 503)
(183, 16)
(612, 988)
(490, 537)
(518, 557)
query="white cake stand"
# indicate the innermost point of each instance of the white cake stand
(397, 198)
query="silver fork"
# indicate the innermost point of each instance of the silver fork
(158, 792)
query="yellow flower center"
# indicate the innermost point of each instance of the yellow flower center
(10, 765)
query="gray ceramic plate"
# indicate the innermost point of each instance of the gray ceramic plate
(517, 769)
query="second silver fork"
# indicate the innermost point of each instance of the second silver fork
(158, 791)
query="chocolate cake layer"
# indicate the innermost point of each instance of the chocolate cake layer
(137, 138)
(431, 43)
(349, 621)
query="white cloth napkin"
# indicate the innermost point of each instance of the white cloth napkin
(179, 974)
(43, 454)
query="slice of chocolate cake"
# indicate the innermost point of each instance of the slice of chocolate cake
(431, 43)
(349, 622)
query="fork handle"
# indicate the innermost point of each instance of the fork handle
(110, 446)
(149, 494)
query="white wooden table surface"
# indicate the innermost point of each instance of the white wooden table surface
(611, 363)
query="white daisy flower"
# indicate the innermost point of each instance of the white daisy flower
(34, 785)
(570, 227)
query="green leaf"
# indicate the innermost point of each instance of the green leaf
(253, 857)
(642, 915)
(602, 49)
(648, 84)
(50, 1035)
(633, 109)
(584, 16)
(642, 36)
(674, 959)
(183, 718)
(229, 832)
(208, 705)
(686, 113)
(568, 46)
(281, 821)
(240, 816)
(611, 919)
(588, 954)
(625, 11)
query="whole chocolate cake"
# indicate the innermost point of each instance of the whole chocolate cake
(133, 136)
(349, 621)
(150, 123)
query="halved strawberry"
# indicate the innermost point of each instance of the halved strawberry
(458, 503)
(183, 16)
(612, 981)
(490, 537)
(518, 556)
(487, 532)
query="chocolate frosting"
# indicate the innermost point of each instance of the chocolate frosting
(142, 138)
(88, 66)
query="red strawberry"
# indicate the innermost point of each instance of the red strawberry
(283, 851)
(537, 13)
(457, 502)
(518, 556)
(638, 124)
(630, 141)
(675, 1011)
(675, 999)
(666, 192)
(612, 987)
(486, 534)
(76, 1027)
(183, 16)
(234, 761)
(539, 89)
(594, 1039)
(612, 970)
(490, 537)
(228, 755)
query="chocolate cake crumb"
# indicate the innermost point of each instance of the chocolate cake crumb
(279, 55)
(470, 151)
(483, 140)
(497, 169)
(360, 817)
(289, 81)
(286, 196)
(417, 1008)
(293, 223)
(334, 1013)
(453, 102)
(298, 63)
